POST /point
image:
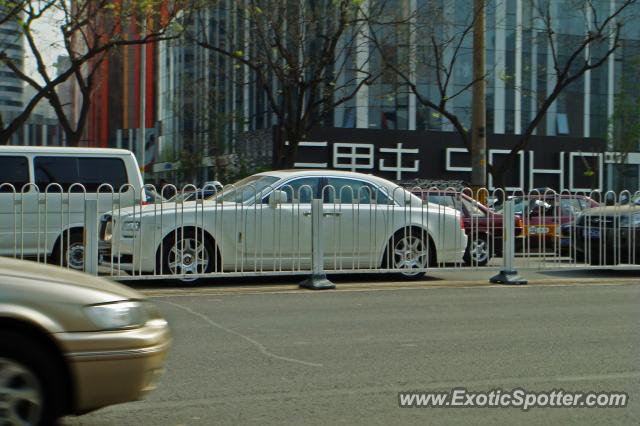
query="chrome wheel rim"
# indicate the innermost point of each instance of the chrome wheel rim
(21, 396)
(75, 256)
(479, 251)
(409, 253)
(188, 256)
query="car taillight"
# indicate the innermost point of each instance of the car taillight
(519, 225)
(461, 222)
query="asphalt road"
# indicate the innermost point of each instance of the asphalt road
(341, 357)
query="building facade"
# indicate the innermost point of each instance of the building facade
(520, 74)
(41, 127)
(11, 87)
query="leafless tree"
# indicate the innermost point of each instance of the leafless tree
(571, 57)
(88, 31)
(300, 55)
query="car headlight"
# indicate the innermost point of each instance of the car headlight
(119, 315)
(131, 225)
(108, 231)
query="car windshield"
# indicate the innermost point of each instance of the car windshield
(518, 206)
(246, 189)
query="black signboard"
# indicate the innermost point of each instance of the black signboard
(562, 163)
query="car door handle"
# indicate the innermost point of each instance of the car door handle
(307, 213)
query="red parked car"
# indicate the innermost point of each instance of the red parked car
(545, 215)
(482, 225)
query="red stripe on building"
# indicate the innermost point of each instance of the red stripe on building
(104, 135)
(149, 82)
(136, 77)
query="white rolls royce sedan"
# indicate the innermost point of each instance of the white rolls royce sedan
(262, 224)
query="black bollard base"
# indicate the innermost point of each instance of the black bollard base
(509, 278)
(317, 282)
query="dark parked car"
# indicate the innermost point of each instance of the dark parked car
(547, 219)
(608, 236)
(482, 225)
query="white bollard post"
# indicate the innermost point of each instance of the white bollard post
(318, 279)
(91, 237)
(508, 275)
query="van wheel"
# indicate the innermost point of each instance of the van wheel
(187, 253)
(30, 382)
(72, 253)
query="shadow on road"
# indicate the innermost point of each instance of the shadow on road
(286, 280)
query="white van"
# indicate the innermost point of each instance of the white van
(43, 192)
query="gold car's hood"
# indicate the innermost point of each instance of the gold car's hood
(76, 284)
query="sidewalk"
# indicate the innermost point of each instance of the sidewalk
(451, 278)
(536, 276)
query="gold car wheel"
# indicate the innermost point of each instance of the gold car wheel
(21, 396)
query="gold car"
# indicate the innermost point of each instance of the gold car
(71, 343)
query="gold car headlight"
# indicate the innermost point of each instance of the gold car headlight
(118, 315)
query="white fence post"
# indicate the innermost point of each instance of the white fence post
(508, 275)
(318, 279)
(91, 237)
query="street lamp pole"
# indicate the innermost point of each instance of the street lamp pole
(478, 111)
(143, 99)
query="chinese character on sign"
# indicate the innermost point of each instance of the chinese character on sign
(312, 165)
(353, 156)
(398, 168)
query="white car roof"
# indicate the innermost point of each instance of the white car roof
(282, 174)
(43, 150)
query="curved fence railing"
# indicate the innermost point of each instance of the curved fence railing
(265, 229)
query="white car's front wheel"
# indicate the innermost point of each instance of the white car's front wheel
(188, 254)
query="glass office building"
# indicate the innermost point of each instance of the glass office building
(11, 87)
(521, 71)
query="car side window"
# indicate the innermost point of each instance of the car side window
(94, 172)
(90, 172)
(352, 191)
(14, 170)
(583, 204)
(443, 200)
(569, 207)
(302, 190)
(473, 209)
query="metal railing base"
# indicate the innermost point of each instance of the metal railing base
(509, 278)
(317, 282)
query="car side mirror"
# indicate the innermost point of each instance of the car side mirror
(277, 197)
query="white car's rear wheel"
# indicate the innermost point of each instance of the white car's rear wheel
(410, 252)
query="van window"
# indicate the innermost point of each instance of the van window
(90, 172)
(14, 170)
(96, 171)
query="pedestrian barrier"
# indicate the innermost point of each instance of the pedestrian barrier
(300, 229)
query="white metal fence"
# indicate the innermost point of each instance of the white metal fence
(210, 231)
